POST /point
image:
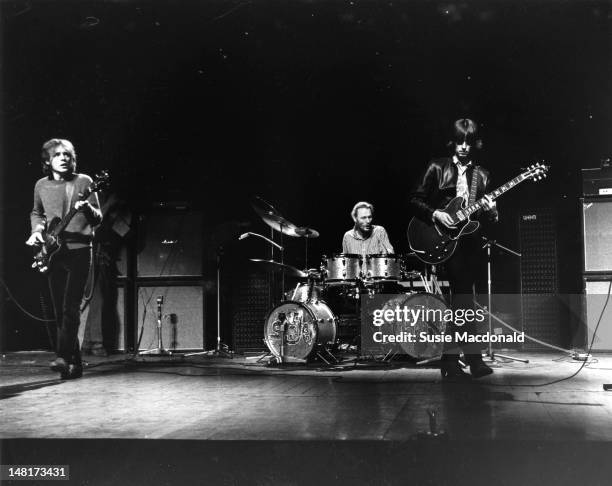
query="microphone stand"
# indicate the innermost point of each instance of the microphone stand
(488, 244)
(159, 350)
(274, 244)
(221, 349)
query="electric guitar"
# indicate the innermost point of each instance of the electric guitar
(52, 236)
(433, 243)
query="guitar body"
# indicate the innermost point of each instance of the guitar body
(45, 252)
(434, 243)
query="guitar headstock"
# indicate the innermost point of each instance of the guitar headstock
(100, 180)
(537, 171)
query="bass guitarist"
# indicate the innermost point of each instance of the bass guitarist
(444, 179)
(54, 196)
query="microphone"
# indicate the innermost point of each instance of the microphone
(243, 236)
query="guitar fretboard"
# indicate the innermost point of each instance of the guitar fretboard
(472, 208)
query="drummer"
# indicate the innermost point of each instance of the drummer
(365, 238)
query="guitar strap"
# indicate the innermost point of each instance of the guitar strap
(473, 185)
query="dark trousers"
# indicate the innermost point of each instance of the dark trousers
(67, 283)
(103, 319)
(462, 270)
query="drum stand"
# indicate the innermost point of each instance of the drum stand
(488, 244)
(159, 350)
(221, 349)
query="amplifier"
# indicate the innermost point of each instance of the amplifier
(170, 243)
(597, 182)
(596, 216)
(182, 316)
(595, 311)
(539, 276)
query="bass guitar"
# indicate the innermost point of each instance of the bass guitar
(433, 243)
(52, 236)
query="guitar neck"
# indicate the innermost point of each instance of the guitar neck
(472, 208)
(64, 223)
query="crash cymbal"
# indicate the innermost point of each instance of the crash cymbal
(278, 223)
(260, 205)
(273, 266)
(272, 217)
(307, 232)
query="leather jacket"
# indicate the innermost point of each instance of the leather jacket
(438, 185)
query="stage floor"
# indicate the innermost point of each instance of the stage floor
(206, 398)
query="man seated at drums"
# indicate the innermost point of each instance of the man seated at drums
(365, 238)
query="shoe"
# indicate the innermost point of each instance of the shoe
(59, 364)
(480, 369)
(451, 370)
(73, 371)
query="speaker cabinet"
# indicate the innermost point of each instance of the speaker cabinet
(170, 243)
(595, 295)
(539, 276)
(182, 317)
(251, 302)
(597, 234)
(119, 329)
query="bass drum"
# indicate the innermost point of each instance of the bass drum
(426, 322)
(303, 292)
(307, 327)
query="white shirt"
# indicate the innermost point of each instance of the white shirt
(462, 185)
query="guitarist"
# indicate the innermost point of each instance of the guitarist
(54, 196)
(444, 179)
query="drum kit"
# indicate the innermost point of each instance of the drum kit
(308, 323)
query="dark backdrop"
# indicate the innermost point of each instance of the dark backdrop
(312, 105)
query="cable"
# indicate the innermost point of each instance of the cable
(552, 346)
(8, 291)
(584, 363)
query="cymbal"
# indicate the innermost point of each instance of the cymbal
(260, 204)
(273, 266)
(277, 222)
(307, 232)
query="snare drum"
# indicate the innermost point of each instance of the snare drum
(342, 268)
(383, 267)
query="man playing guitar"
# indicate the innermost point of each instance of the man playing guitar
(54, 196)
(444, 179)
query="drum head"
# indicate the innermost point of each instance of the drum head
(427, 324)
(430, 323)
(295, 329)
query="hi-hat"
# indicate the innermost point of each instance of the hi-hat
(273, 266)
(307, 232)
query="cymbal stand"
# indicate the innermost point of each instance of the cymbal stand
(488, 244)
(282, 255)
(221, 349)
(159, 350)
